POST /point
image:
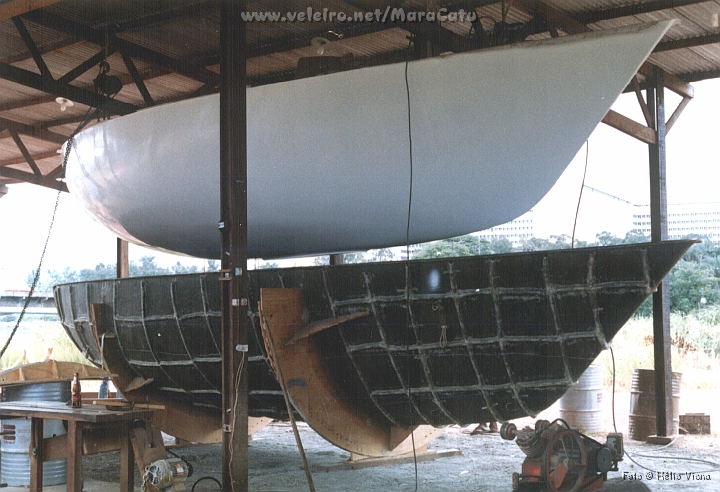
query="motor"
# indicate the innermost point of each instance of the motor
(167, 475)
(562, 459)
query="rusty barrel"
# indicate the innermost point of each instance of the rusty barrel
(581, 406)
(643, 412)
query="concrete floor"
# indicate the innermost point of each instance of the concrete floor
(486, 463)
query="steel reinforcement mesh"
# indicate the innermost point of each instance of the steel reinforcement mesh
(455, 340)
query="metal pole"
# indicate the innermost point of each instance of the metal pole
(659, 232)
(233, 228)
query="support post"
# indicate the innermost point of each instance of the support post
(233, 228)
(123, 259)
(659, 232)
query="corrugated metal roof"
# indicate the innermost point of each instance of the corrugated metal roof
(174, 46)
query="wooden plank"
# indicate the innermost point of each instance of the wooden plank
(630, 127)
(74, 456)
(234, 241)
(312, 388)
(676, 114)
(36, 454)
(318, 326)
(14, 8)
(673, 83)
(50, 370)
(649, 119)
(88, 413)
(127, 475)
(148, 445)
(659, 232)
(16, 174)
(55, 448)
(123, 259)
(390, 461)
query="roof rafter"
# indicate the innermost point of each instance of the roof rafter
(74, 93)
(47, 182)
(633, 9)
(98, 36)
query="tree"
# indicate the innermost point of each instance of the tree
(607, 239)
(635, 236)
(690, 282)
(467, 245)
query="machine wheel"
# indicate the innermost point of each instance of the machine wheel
(507, 431)
(565, 462)
(515, 481)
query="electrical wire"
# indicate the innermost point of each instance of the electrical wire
(653, 456)
(407, 241)
(577, 210)
(238, 375)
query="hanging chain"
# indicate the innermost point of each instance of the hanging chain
(36, 278)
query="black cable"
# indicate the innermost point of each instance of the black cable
(577, 211)
(679, 458)
(612, 355)
(407, 245)
(206, 478)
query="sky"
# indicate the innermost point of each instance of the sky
(617, 164)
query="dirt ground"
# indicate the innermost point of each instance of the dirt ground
(486, 462)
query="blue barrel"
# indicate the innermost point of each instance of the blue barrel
(16, 438)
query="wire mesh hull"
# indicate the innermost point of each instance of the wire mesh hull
(455, 340)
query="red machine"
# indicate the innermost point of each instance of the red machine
(562, 459)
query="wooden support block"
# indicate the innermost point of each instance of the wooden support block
(127, 473)
(695, 423)
(661, 440)
(36, 453)
(74, 456)
(388, 461)
(148, 445)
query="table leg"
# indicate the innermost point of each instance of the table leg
(36, 450)
(74, 456)
(127, 460)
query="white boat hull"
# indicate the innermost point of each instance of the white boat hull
(328, 157)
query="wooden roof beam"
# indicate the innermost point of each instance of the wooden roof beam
(633, 9)
(98, 36)
(678, 86)
(21, 160)
(25, 153)
(32, 131)
(16, 174)
(552, 16)
(14, 8)
(687, 43)
(74, 93)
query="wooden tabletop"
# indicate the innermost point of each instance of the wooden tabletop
(63, 411)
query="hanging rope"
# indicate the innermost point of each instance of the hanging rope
(582, 186)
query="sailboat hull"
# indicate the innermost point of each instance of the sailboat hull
(447, 341)
(329, 157)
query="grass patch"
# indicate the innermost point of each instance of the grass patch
(35, 337)
(695, 350)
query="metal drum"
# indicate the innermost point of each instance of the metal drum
(581, 406)
(642, 418)
(15, 443)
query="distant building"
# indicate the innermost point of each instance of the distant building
(684, 219)
(515, 231)
(603, 212)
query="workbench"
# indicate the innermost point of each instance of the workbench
(114, 425)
